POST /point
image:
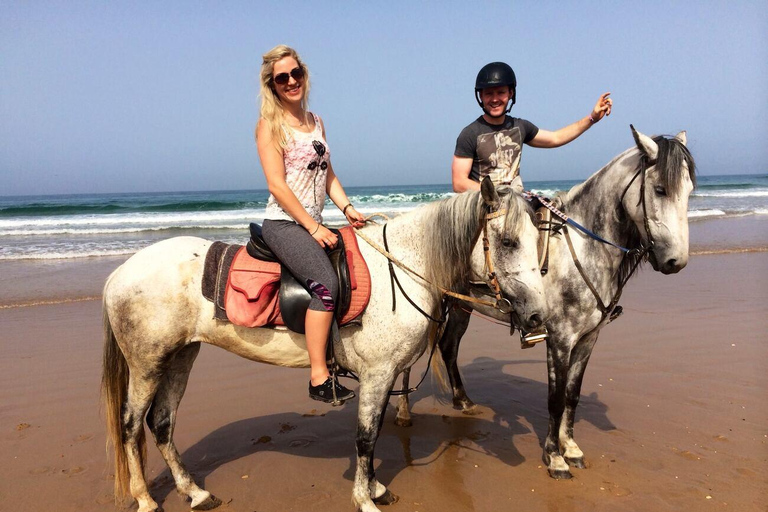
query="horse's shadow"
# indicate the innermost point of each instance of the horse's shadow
(510, 399)
(490, 386)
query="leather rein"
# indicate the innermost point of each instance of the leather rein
(501, 303)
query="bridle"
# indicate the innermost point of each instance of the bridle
(638, 253)
(644, 164)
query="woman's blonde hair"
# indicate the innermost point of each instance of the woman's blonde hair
(271, 108)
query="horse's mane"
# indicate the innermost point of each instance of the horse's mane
(669, 163)
(455, 225)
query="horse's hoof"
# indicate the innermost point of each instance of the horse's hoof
(387, 498)
(576, 462)
(211, 503)
(471, 410)
(403, 422)
(560, 474)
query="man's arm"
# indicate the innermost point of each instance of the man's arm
(460, 169)
(547, 139)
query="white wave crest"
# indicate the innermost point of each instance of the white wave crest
(746, 193)
(705, 213)
(180, 219)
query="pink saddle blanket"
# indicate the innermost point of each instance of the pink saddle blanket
(251, 295)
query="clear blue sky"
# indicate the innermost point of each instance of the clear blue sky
(161, 96)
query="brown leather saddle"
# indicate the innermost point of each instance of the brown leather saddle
(294, 297)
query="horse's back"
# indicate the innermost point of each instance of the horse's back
(162, 257)
(160, 285)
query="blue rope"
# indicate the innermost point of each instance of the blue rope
(529, 196)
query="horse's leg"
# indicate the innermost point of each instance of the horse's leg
(403, 418)
(141, 390)
(162, 420)
(578, 364)
(374, 393)
(557, 372)
(456, 326)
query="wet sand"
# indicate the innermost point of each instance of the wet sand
(673, 414)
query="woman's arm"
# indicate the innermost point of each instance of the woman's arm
(547, 139)
(339, 197)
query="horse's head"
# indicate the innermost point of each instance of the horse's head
(657, 199)
(512, 240)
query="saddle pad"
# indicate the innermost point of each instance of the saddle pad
(358, 275)
(251, 296)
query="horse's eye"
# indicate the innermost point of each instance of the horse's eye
(506, 242)
(660, 191)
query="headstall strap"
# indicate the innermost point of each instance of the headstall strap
(502, 304)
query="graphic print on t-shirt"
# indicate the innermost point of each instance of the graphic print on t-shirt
(499, 154)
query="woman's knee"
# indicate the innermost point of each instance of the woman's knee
(324, 294)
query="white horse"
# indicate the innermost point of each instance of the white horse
(155, 318)
(640, 201)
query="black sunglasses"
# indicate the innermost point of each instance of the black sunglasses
(282, 78)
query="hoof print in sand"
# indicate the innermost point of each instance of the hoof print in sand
(76, 470)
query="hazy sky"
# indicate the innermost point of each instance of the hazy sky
(162, 96)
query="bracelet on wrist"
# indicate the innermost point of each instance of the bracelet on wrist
(315, 231)
(344, 210)
(592, 119)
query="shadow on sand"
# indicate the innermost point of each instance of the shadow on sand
(508, 405)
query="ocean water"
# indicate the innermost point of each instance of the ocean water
(79, 226)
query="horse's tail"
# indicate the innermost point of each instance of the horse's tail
(436, 332)
(114, 391)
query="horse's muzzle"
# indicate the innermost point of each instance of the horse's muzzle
(533, 321)
(669, 266)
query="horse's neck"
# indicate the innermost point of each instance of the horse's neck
(596, 205)
(405, 236)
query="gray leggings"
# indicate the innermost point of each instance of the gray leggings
(306, 260)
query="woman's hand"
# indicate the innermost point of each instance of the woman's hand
(325, 237)
(602, 107)
(354, 217)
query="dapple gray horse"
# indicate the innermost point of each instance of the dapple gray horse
(155, 319)
(639, 200)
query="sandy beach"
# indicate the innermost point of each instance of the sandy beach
(673, 414)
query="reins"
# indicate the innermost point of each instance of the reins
(501, 303)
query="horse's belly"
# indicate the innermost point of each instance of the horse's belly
(279, 347)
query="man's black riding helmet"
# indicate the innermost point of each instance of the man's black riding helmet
(493, 75)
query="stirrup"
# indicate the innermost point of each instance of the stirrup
(529, 339)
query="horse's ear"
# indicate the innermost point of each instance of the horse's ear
(645, 144)
(488, 191)
(682, 138)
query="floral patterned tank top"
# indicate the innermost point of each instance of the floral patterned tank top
(306, 158)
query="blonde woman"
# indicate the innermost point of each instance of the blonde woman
(297, 165)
